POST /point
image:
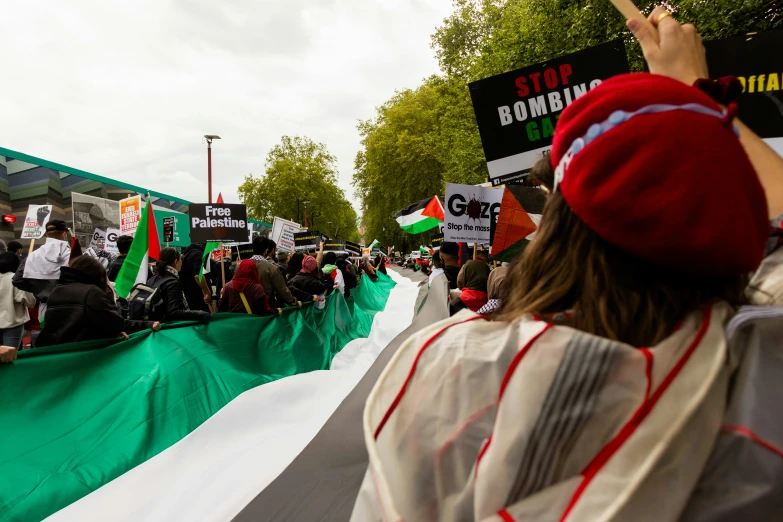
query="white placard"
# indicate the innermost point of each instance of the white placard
(98, 239)
(283, 234)
(35, 222)
(111, 240)
(130, 215)
(469, 212)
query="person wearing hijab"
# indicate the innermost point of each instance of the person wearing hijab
(13, 303)
(495, 291)
(475, 275)
(308, 280)
(246, 283)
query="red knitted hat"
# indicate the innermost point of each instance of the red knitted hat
(655, 168)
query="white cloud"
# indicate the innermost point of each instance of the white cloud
(127, 89)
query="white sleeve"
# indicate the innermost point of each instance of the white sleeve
(340, 281)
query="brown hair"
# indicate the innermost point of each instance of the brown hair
(567, 267)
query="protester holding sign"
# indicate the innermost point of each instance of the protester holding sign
(38, 273)
(611, 364)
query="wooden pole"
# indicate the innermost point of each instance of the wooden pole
(475, 251)
(631, 12)
(32, 244)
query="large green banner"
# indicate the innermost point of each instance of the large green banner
(77, 416)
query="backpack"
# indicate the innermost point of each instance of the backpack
(145, 301)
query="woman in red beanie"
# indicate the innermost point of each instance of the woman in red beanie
(601, 391)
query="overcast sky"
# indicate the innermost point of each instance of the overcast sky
(128, 89)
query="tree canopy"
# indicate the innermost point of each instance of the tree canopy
(298, 170)
(423, 138)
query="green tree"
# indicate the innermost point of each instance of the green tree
(423, 138)
(298, 170)
(398, 164)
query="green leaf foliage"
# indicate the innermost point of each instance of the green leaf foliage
(299, 170)
(423, 138)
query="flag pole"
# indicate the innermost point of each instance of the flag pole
(32, 244)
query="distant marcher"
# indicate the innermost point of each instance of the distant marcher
(38, 273)
(496, 291)
(474, 292)
(294, 264)
(16, 247)
(247, 285)
(270, 275)
(308, 281)
(82, 308)
(330, 270)
(380, 263)
(167, 280)
(197, 292)
(123, 247)
(13, 303)
(449, 255)
(437, 269)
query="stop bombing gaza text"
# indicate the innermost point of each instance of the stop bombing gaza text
(544, 107)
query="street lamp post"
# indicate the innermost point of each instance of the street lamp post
(329, 229)
(209, 138)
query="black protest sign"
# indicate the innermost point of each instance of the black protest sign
(305, 241)
(244, 251)
(353, 248)
(335, 245)
(758, 63)
(436, 241)
(168, 229)
(517, 111)
(218, 222)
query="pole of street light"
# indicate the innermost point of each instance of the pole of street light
(209, 138)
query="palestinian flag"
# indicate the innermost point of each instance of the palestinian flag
(374, 244)
(520, 214)
(145, 246)
(425, 251)
(422, 216)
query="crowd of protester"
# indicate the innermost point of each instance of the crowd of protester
(64, 295)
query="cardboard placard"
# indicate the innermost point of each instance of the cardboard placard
(181, 229)
(436, 241)
(130, 215)
(283, 233)
(218, 222)
(517, 111)
(335, 245)
(168, 229)
(307, 241)
(470, 211)
(755, 60)
(111, 240)
(35, 221)
(416, 255)
(90, 213)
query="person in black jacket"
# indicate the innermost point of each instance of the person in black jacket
(123, 247)
(308, 279)
(81, 307)
(167, 279)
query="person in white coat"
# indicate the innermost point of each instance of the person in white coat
(601, 388)
(13, 303)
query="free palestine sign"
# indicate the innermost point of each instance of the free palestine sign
(218, 222)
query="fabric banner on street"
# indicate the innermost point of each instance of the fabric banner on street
(218, 469)
(95, 410)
